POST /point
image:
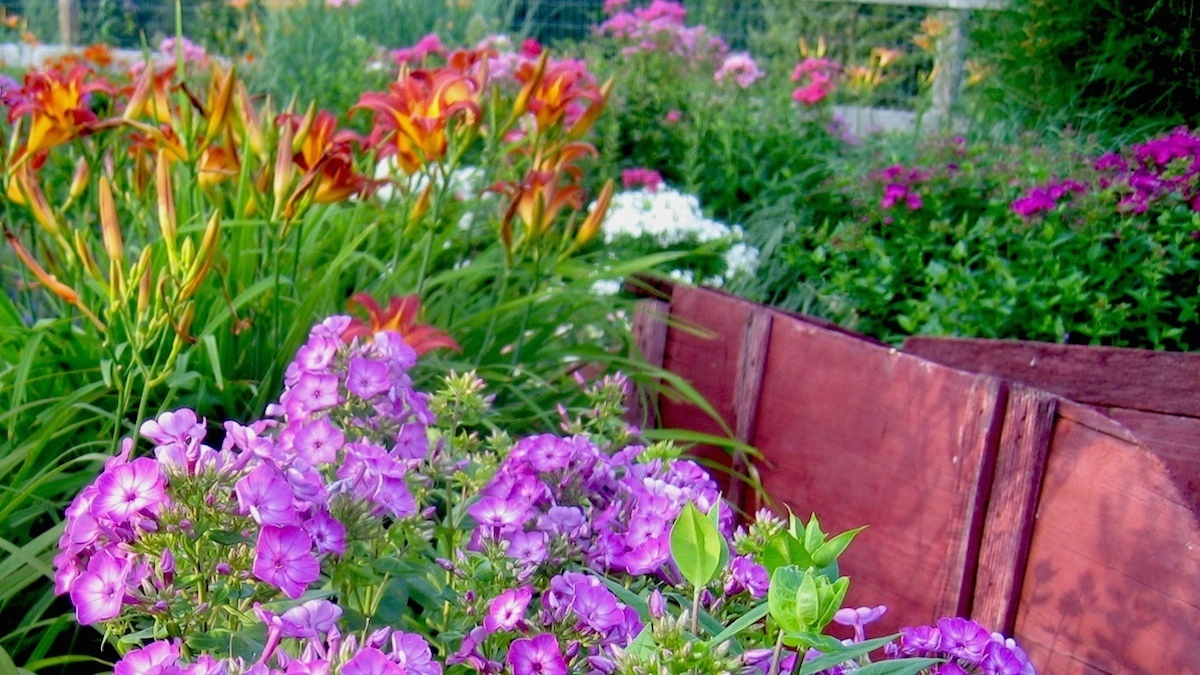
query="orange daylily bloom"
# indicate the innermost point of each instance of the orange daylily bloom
(557, 98)
(58, 105)
(411, 118)
(328, 154)
(218, 163)
(150, 96)
(401, 317)
(99, 54)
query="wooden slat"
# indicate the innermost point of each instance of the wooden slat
(650, 339)
(1111, 377)
(1016, 486)
(933, 4)
(751, 362)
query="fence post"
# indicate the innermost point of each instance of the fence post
(949, 53)
(68, 22)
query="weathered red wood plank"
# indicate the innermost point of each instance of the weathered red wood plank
(1020, 463)
(1175, 441)
(753, 359)
(1111, 581)
(1136, 379)
(650, 339)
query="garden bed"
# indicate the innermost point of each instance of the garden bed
(1056, 499)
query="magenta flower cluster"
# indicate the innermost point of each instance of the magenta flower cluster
(342, 439)
(320, 649)
(739, 67)
(967, 647)
(1161, 168)
(817, 78)
(900, 186)
(661, 27)
(640, 177)
(1045, 198)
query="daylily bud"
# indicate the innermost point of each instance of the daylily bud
(185, 323)
(167, 223)
(110, 229)
(87, 259)
(420, 207)
(79, 179)
(283, 170)
(521, 103)
(31, 194)
(305, 127)
(187, 254)
(145, 283)
(204, 257)
(589, 117)
(141, 93)
(247, 120)
(48, 280)
(591, 224)
(219, 111)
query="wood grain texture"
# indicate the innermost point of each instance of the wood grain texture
(650, 340)
(755, 343)
(1136, 379)
(1016, 484)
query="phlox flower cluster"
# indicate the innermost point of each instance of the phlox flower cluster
(429, 45)
(900, 186)
(741, 68)
(280, 497)
(554, 500)
(967, 647)
(1161, 168)
(641, 178)
(1045, 198)
(317, 647)
(817, 79)
(661, 27)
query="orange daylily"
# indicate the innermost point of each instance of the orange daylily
(401, 317)
(58, 105)
(99, 54)
(411, 117)
(557, 97)
(150, 96)
(216, 164)
(327, 155)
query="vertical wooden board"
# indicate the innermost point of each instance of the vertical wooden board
(704, 347)
(1008, 525)
(756, 341)
(1111, 582)
(650, 340)
(865, 435)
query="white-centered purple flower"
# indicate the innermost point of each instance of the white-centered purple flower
(266, 496)
(310, 619)
(367, 378)
(371, 661)
(507, 610)
(539, 655)
(284, 558)
(176, 426)
(964, 638)
(129, 489)
(412, 652)
(317, 442)
(156, 658)
(328, 533)
(1000, 660)
(99, 592)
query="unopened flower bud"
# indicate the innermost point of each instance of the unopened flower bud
(658, 606)
(223, 568)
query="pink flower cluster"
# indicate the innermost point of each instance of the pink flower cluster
(1044, 198)
(322, 650)
(1161, 168)
(661, 27)
(739, 66)
(641, 178)
(414, 55)
(900, 186)
(817, 80)
(342, 438)
(192, 52)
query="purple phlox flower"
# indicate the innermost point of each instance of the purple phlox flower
(249, 439)
(411, 442)
(206, 665)
(647, 557)
(859, 618)
(400, 356)
(129, 489)
(310, 619)
(317, 442)
(469, 652)
(920, 640)
(760, 659)
(307, 485)
(641, 177)
(588, 598)
(99, 592)
(507, 610)
(747, 575)
(963, 638)
(412, 652)
(1000, 660)
(564, 521)
(527, 548)
(318, 354)
(284, 558)
(266, 496)
(176, 426)
(371, 661)
(741, 67)
(499, 515)
(328, 533)
(949, 669)
(311, 393)
(367, 378)
(539, 655)
(1037, 200)
(156, 658)
(1011, 644)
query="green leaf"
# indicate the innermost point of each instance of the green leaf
(828, 553)
(808, 601)
(696, 546)
(831, 601)
(743, 622)
(898, 667)
(781, 597)
(817, 641)
(226, 537)
(813, 536)
(643, 646)
(845, 654)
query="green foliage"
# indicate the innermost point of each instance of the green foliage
(697, 546)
